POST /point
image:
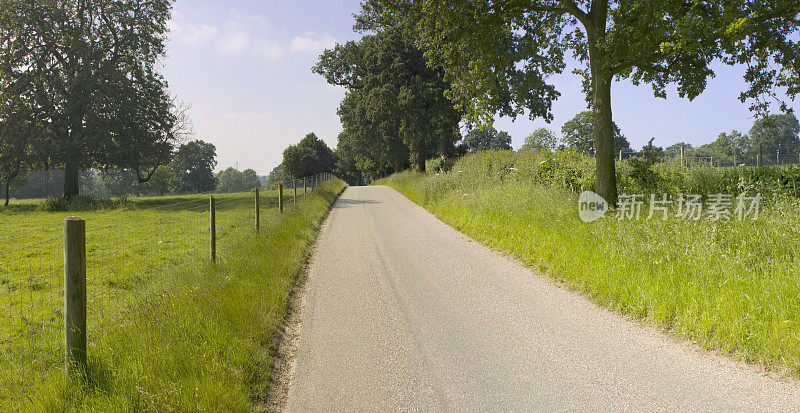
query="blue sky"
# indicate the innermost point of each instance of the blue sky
(244, 67)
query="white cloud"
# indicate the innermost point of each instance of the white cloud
(245, 34)
(197, 35)
(235, 41)
(268, 48)
(240, 34)
(311, 42)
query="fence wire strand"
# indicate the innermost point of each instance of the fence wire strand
(124, 252)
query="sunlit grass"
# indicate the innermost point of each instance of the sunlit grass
(733, 285)
(167, 328)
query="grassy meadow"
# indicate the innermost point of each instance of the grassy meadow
(167, 328)
(732, 286)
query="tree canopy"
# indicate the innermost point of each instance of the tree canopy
(578, 133)
(308, 157)
(394, 97)
(541, 139)
(487, 138)
(234, 180)
(193, 166)
(370, 144)
(776, 133)
(88, 68)
(498, 54)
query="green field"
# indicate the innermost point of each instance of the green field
(733, 286)
(167, 329)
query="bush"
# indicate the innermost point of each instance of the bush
(572, 171)
(81, 202)
(438, 165)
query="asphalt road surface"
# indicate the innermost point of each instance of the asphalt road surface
(403, 313)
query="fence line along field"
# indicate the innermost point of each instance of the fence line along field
(125, 248)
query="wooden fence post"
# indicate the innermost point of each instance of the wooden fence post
(258, 210)
(74, 295)
(280, 197)
(305, 187)
(760, 156)
(294, 188)
(620, 155)
(213, 227)
(683, 160)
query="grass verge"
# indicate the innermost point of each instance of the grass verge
(731, 285)
(201, 336)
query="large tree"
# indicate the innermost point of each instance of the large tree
(487, 138)
(498, 54)
(578, 133)
(233, 180)
(370, 144)
(727, 148)
(192, 167)
(776, 133)
(308, 157)
(91, 68)
(541, 139)
(396, 94)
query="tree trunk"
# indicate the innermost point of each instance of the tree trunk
(10, 178)
(419, 156)
(71, 178)
(604, 140)
(446, 148)
(602, 77)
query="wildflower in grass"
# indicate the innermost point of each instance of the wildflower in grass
(690, 207)
(748, 206)
(719, 207)
(630, 206)
(659, 205)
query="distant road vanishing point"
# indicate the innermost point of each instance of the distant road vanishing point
(403, 313)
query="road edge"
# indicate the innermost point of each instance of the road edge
(288, 341)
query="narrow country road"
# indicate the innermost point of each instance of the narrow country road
(404, 313)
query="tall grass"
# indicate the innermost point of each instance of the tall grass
(127, 248)
(733, 286)
(571, 171)
(200, 335)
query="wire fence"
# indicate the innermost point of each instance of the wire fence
(124, 252)
(752, 158)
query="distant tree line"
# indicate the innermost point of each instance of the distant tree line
(190, 170)
(777, 136)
